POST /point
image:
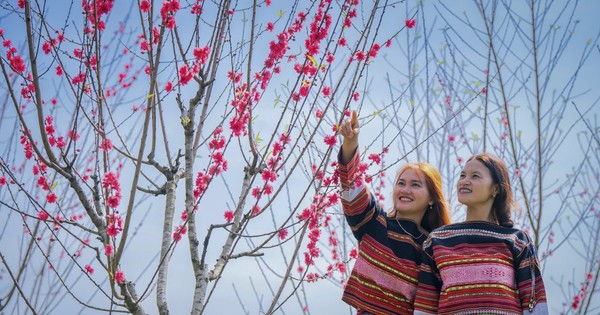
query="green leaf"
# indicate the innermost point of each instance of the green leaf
(280, 13)
(311, 59)
(257, 139)
(54, 185)
(277, 99)
(185, 121)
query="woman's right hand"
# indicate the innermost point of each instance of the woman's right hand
(349, 129)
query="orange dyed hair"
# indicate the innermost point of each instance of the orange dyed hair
(437, 215)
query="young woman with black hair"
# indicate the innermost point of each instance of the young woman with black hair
(483, 265)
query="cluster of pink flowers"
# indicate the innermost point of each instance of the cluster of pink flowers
(89, 269)
(179, 232)
(43, 215)
(145, 6)
(241, 103)
(278, 49)
(167, 12)
(282, 233)
(317, 218)
(15, 60)
(202, 54)
(197, 7)
(186, 74)
(54, 141)
(269, 174)
(106, 145)
(94, 10)
(330, 140)
(319, 27)
(108, 250)
(119, 277)
(114, 224)
(216, 145)
(580, 296)
(78, 78)
(378, 159)
(28, 88)
(113, 188)
(27, 147)
(52, 42)
(202, 181)
(228, 214)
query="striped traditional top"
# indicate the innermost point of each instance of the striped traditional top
(384, 277)
(479, 267)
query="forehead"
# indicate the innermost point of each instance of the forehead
(411, 175)
(475, 166)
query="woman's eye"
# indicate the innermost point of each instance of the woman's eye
(416, 185)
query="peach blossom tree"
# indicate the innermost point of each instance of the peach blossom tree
(180, 156)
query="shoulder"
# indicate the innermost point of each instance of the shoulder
(475, 229)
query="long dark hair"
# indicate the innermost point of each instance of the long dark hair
(436, 215)
(504, 201)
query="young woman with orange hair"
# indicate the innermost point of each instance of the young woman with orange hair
(384, 277)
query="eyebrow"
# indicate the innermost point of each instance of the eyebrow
(412, 181)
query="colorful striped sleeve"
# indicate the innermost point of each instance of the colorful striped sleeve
(529, 280)
(357, 202)
(355, 196)
(430, 283)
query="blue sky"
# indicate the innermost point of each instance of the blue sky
(325, 295)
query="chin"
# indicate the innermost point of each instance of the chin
(404, 210)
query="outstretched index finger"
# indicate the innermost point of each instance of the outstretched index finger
(354, 120)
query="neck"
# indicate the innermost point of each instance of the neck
(479, 213)
(410, 216)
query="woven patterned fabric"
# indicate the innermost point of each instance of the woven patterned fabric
(384, 276)
(479, 268)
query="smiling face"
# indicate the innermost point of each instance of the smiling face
(476, 188)
(411, 196)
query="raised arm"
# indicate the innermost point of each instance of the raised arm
(349, 129)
